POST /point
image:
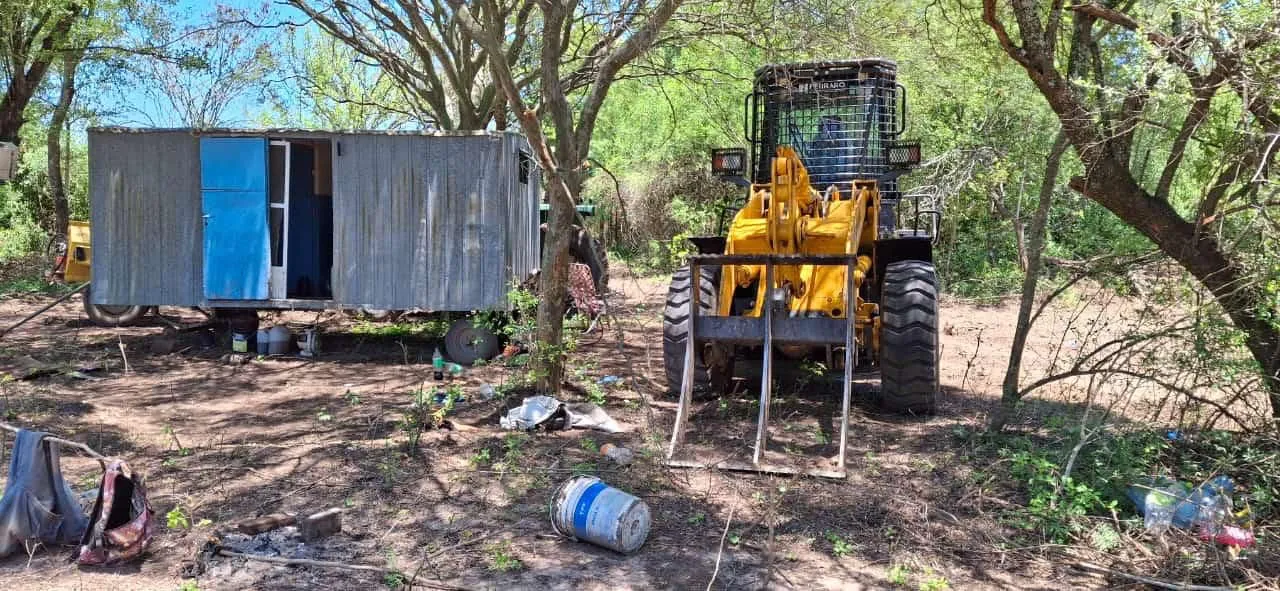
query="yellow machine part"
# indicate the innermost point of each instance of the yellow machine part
(789, 216)
(79, 254)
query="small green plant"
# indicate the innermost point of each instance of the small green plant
(501, 559)
(839, 546)
(735, 538)
(595, 394)
(394, 580)
(898, 575)
(582, 468)
(324, 416)
(481, 458)
(934, 582)
(189, 585)
(589, 445)
(698, 518)
(820, 437)
(176, 518)
(352, 397)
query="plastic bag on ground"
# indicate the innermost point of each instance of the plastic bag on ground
(546, 411)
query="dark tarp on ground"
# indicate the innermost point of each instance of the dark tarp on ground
(38, 504)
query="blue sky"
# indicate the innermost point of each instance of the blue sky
(135, 105)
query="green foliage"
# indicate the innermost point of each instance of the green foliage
(839, 546)
(897, 575)
(176, 518)
(424, 329)
(501, 559)
(1057, 505)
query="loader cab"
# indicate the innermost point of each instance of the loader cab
(844, 118)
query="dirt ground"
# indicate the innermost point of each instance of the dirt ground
(219, 442)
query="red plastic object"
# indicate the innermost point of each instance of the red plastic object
(1231, 535)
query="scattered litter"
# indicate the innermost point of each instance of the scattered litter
(609, 381)
(235, 358)
(584, 415)
(619, 455)
(1173, 435)
(240, 342)
(1205, 509)
(535, 411)
(585, 508)
(437, 365)
(309, 343)
(545, 411)
(278, 340)
(454, 369)
(488, 392)
(441, 398)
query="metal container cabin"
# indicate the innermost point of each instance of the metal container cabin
(304, 219)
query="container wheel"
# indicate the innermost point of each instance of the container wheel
(466, 343)
(909, 338)
(110, 316)
(675, 332)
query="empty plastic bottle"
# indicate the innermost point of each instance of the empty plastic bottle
(1208, 507)
(437, 364)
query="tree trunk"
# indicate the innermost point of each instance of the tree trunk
(554, 283)
(57, 184)
(1011, 393)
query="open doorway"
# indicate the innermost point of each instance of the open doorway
(300, 216)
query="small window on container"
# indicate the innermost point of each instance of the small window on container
(525, 164)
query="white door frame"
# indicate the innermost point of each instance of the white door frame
(278, 282)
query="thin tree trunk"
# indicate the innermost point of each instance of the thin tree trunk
(554, 284)
(57, 183)
(1011, 393)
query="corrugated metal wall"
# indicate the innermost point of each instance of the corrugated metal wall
(428, 222)
(438, 222)
(522, 221)
(144, 199)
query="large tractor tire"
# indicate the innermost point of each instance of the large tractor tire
(675, 327)
(909, 338)
(112, 316)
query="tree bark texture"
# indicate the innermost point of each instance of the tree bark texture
(57, 182)
(1108, 181)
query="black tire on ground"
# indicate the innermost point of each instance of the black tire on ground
(465, 343)
(909, 338)
(675, 327)
(109, 316)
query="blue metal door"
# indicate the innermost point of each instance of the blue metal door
(233, 178)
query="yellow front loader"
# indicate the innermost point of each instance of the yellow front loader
(815, 263)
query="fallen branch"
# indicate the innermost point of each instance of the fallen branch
(727, 522)
(43, 310)
(86, 449)
(330, 564)
(1148, 580)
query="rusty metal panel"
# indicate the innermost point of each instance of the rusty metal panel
(144, 199)
(426, 221)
